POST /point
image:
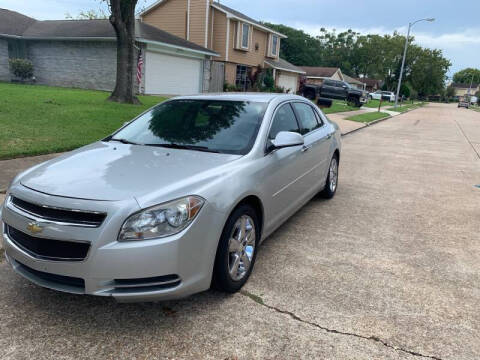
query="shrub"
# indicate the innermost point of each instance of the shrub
(21, 68)
(230, 88)
(268, 80)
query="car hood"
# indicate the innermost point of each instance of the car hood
(114, 171)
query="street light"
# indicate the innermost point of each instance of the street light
(405, 55)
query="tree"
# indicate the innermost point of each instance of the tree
(123, 20)
(465, 76)
(88, 15)
(450, 92)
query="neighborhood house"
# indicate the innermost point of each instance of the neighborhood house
(83, 54)
(188, 46)
(243, 44)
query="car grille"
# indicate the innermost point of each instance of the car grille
(47, 249)
(146, 284)
(76, 283)
(76, 217)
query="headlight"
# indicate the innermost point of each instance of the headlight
(161, 220)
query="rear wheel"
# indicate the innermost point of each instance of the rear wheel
(332, 179)
(236, 251)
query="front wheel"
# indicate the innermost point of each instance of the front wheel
(236, 251)
(332, 179)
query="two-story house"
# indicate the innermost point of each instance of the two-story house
(243, 44)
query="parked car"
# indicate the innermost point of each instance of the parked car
(473, 100)
(385, 95)
(335, 89)
(463, 103)
(183, 194)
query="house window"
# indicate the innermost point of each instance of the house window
(245, 36)
(242, 78)
(274, 45)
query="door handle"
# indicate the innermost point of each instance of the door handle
(306, 148)
(329, 136)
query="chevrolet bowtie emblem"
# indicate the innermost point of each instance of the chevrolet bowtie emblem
(34, 228)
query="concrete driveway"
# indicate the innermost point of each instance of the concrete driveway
(388, 269)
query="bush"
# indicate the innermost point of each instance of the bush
(268, 80)
(230, 88)
(21, 68)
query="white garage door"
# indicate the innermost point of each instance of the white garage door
(288, 81)
(172, 75)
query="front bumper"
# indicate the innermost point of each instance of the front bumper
(160, 269)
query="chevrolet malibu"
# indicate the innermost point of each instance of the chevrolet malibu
(177, 200)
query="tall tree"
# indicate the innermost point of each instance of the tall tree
(123, 20)
(465, 76)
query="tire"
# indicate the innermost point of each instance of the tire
(225, 278)
(329, 191)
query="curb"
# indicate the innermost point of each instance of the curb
(380, 120)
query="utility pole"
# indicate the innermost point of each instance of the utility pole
(405, 55)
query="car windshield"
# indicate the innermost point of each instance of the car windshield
(204, 125)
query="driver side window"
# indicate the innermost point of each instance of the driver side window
(284, 120)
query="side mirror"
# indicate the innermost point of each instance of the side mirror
(324, 102)
(287, 139)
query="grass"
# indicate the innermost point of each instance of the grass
(375, 103)
(38, 120)
(368, 117)
(339, 106)
(406, 107)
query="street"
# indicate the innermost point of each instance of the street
(388, 269)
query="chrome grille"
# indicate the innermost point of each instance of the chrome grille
(59, 215)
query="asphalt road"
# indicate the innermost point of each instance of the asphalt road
(388, 269)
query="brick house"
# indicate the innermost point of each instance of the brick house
(83, 54)
(243, 44)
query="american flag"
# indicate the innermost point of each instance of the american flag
(139, 67)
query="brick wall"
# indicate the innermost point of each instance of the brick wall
(81, 64)
(4, 71)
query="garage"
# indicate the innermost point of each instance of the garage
(172, 75)
(286, 74)
(288, 81)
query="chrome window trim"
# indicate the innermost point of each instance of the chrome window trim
(36, 217)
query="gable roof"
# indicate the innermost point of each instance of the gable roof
(14, 23)
(232, 13)
(351, 80)
(319, 71)
(284, 65)
(464, 86)
(240, 16)
(100, 29)
(370, 82)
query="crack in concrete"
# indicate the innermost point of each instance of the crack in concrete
(260, 301)
(466, 138)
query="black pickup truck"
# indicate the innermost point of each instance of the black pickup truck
(335, 89)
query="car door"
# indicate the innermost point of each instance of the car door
(317, 137)
(282, 170)
(328, 89)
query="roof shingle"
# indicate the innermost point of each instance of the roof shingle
(319, 71)
(87, 29)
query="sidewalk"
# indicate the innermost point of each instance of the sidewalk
(10, 168)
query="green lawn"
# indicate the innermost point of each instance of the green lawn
(375, 103)
(368, 117)
(339, 106)
(406, 107)
(38, 120)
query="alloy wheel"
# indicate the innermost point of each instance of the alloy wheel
(241, 247)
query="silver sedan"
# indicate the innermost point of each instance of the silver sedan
(178, 199)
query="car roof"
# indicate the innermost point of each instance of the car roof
(233, 96)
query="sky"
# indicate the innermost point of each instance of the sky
(456, 29)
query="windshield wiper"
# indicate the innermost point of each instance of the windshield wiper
(125, 141)
(185, 147)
